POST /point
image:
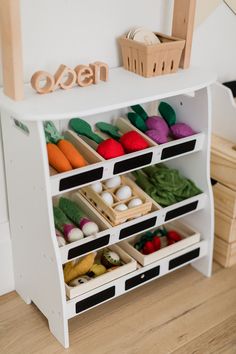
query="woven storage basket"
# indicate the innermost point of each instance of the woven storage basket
(152, 60)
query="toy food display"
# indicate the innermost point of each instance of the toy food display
(160, 242)
(165, 185)
(73, 211)
(120, 199)
(65, 226)
(91, 266)
(62, 155)
(153, 241)
(159, 128)
(114, 146)
(71, 223)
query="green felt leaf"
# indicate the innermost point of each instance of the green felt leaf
(168, 113)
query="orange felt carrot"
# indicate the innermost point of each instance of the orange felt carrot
(73, 156)
(57, 159)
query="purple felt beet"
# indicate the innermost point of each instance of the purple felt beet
(181, 130)
(158, 123)
(156, 136)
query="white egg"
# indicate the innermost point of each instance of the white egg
(113, 182)
(124, 192)
(134, 203)
(121, 207)
(97, 187)
(107, 197)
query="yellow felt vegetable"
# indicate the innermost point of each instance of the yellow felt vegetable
(76, 268)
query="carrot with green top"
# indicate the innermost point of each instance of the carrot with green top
(62, 154)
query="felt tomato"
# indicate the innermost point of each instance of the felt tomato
(148, 248)
(174, 235)
(156, 243)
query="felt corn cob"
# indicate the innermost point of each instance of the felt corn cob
(73, 211)
(64, 225)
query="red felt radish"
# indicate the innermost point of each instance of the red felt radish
(132, 141)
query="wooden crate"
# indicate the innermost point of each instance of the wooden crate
(129, 265)
(189, 237)
(223, 161)
(225, 227)
(225, 200)
(108, 212)
(152, 60)
(224, 253)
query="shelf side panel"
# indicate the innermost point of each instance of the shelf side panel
(37, 268)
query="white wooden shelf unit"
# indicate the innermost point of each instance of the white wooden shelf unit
(37, 257)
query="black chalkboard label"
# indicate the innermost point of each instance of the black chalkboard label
(176, 262)
(134, 162)
(142, 278)
(133, 229)
(80, 179)
(88, 247)
(178, 149)
(95, 299)
(181, 210)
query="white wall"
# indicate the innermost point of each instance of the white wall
(76, 31)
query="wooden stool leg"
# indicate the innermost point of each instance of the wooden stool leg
(183, 26)
(12, 62)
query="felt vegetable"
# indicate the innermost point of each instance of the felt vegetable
(78, 267)
(64, 225)
(165, 185)
(110, 259)
(109, 129)
(60, 239)
(148, 248)
(73, 211)
(97, 270)
(181, 130)
(82, 127)
(156, 136)
(174, 235)
(140, 111)
(108, 149)
(168, 113)
(156, 243)
(79, 281)
(74, 158)
(57, 159)
(159, 124)
(132, 141)
(137, 121)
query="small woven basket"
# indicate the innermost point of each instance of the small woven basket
(152, 60)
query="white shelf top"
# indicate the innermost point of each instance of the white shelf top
(122, 90)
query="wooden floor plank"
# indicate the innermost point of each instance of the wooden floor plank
(219, 339)
(164, 316)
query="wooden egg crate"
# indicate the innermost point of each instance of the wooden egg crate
(119, 217)
(128, 265)
(188, 234)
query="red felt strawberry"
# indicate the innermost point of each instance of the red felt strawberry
(148, 248)
(156, 243)
(132, 141)
(174, 235)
